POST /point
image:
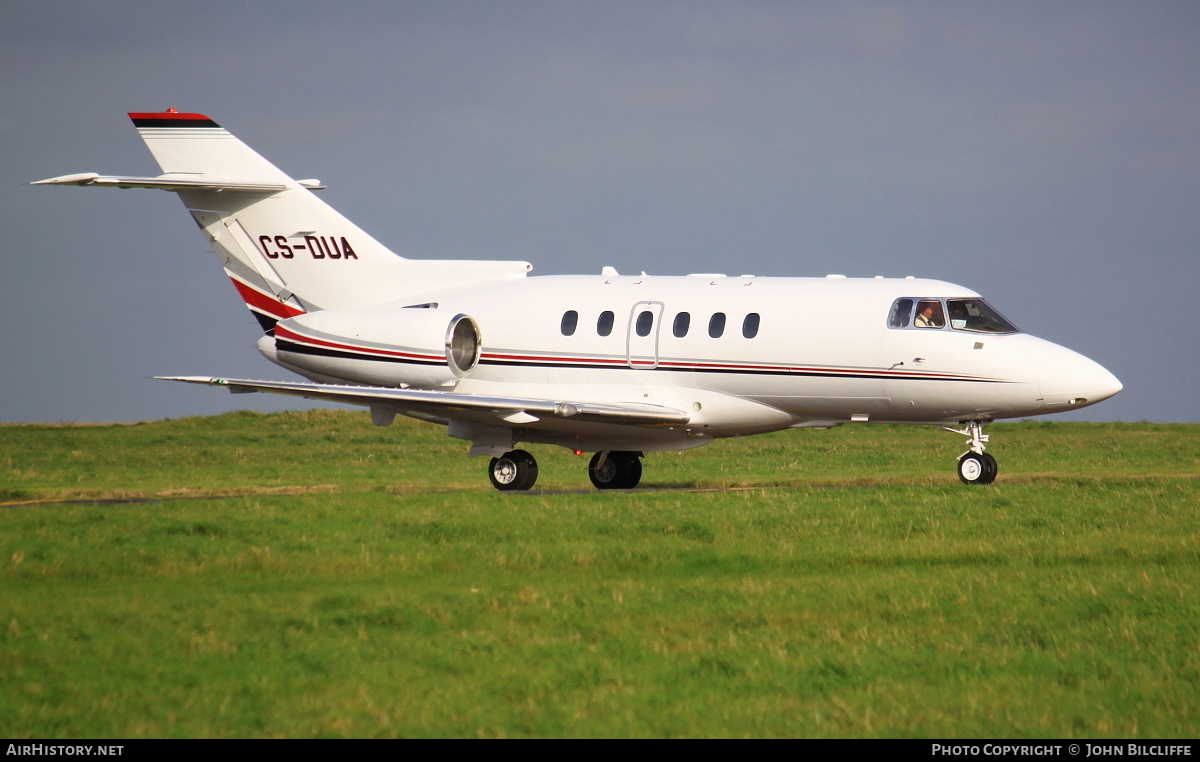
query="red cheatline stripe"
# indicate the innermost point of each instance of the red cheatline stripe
(288, 335)
(257, 300)
(536, 358)
(620, 362)
(680, 365)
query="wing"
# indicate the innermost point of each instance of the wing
(449, 405)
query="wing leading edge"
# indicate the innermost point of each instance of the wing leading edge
(513, 410)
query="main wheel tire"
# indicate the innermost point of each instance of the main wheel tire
(516, 470)
(977, 468)
(991, 468)
(603, 475)
(620, 470)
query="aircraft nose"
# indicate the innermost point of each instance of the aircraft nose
(1071, 381)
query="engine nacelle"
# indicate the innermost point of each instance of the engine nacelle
(403, 347)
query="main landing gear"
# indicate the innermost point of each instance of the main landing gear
(615, 470)
(517, 470)
(975, 466)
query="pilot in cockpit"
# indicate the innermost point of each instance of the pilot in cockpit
(958, 315)
(929, 315)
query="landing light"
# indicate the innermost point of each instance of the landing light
(1077, 401)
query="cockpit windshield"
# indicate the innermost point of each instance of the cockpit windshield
(965, 315)
(977, 315)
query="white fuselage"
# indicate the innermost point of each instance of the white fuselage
(823, 353)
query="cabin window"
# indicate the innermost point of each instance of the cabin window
(716, 325)
(604, 324)
(645, 321)
(977, 315)
(683, 321)
(750, 325)
(570, 320)
(901, 311)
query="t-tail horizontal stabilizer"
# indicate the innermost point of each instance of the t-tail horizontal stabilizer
(174, 183)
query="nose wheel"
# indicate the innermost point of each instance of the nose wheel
(975, 466)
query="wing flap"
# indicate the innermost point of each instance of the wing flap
(446, 404)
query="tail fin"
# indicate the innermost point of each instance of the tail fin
(286, 251)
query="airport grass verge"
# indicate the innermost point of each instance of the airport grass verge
(307, 574)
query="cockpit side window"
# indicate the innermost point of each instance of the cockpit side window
(929, 314)
(964, 315)
(901, 312)
(977, 315)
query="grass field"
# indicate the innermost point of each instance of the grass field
(308, 574)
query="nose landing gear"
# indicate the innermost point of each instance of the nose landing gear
(975, 466)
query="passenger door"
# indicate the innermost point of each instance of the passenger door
(641, 342)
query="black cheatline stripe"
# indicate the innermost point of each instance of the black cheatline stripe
(284, 345)
(266, 321)
(174, 123)
(739, 371)
(288, 346)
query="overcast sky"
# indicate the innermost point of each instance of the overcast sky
(1044, 154)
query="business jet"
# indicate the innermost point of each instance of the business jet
(610, 364)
